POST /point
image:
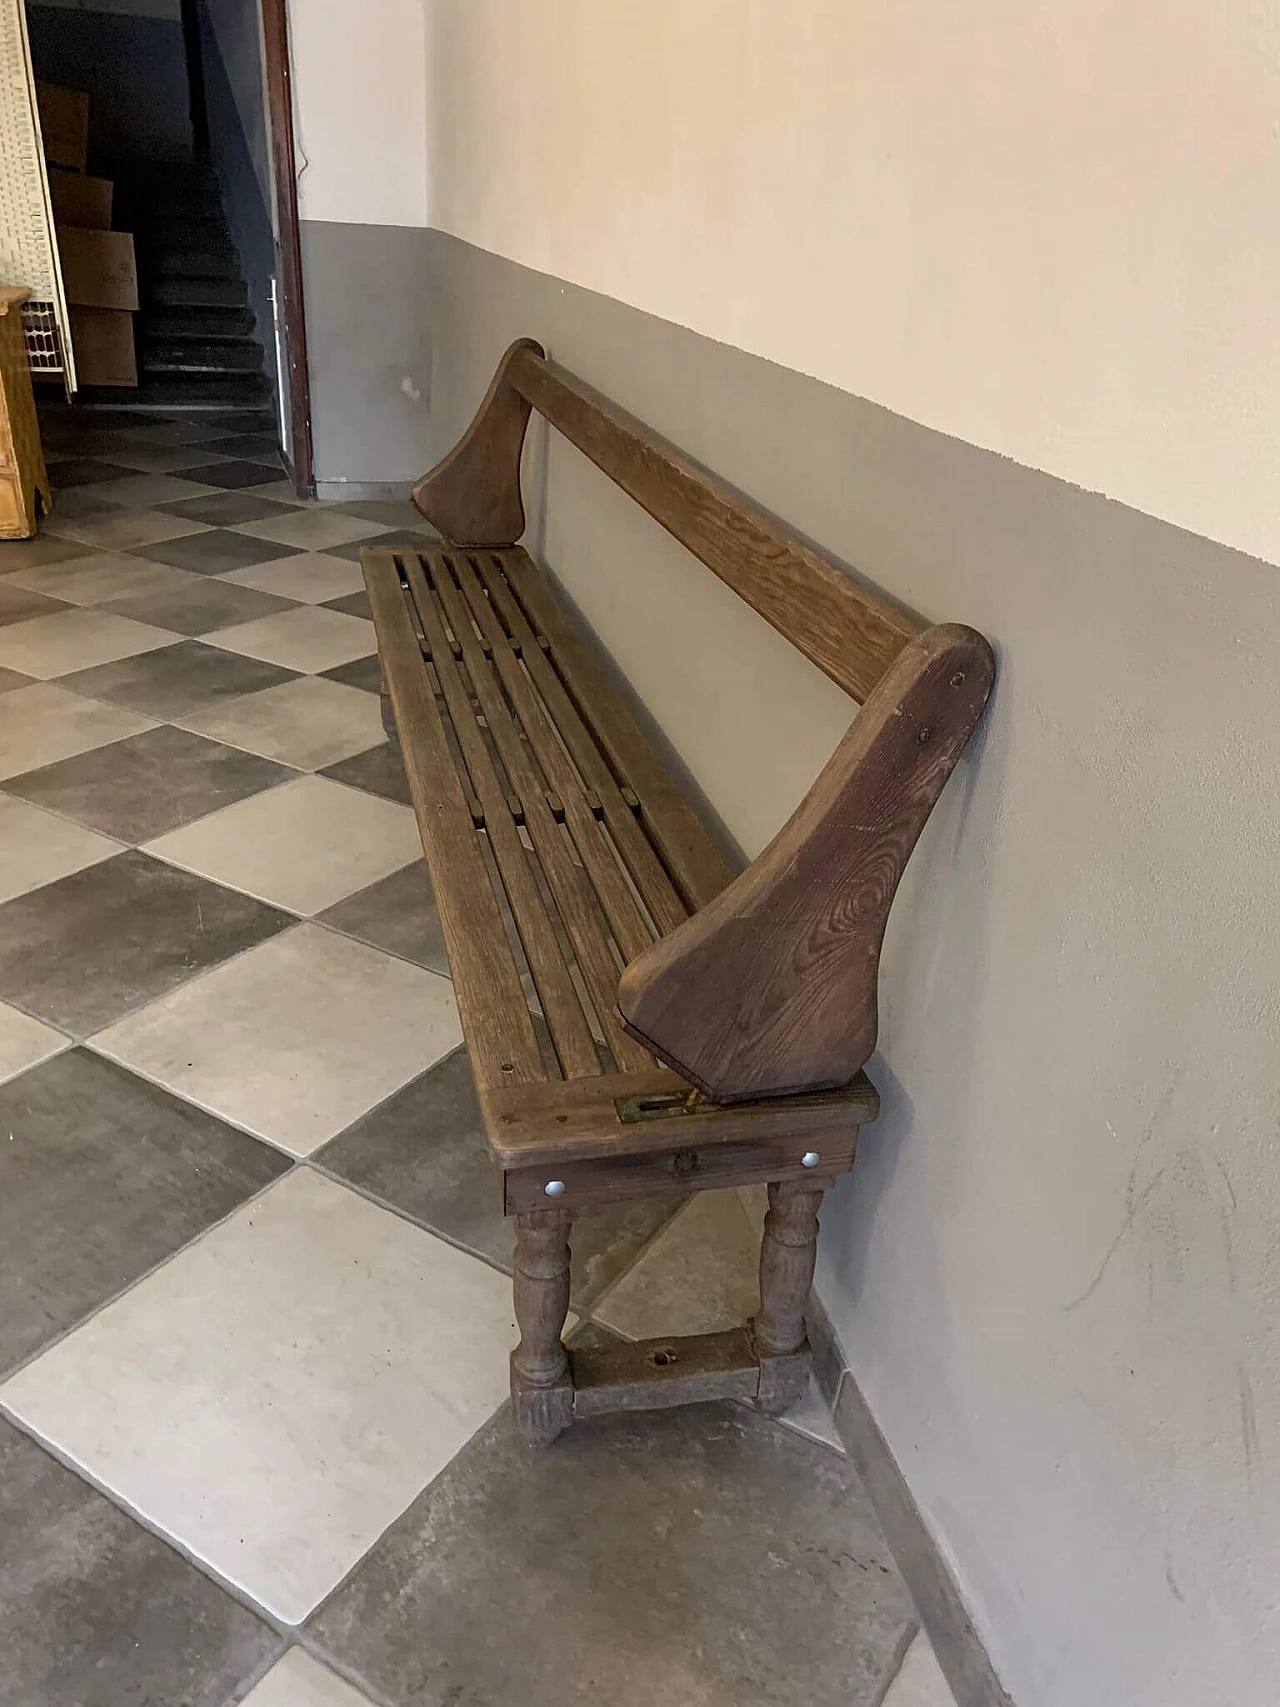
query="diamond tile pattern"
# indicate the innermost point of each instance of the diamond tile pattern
(255, 1270)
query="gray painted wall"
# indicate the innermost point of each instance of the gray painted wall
(1053, 1267)
(369, 343)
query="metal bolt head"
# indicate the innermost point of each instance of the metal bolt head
(810, 1159)
(555, 1187)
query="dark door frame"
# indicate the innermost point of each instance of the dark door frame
(290, 306)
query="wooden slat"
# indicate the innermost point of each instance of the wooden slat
(646, 869)
(495, 1018)
(695, 863)
(563, 1013)
(626, 922)
(567, 883)
(654, 1375)
(849, 631)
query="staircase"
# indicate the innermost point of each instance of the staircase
(197, 343)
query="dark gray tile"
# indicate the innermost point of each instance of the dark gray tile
(176, 681)
(83, 471)
(390, 512)
(179, 430)
(351, 604)
(200, 609)
(379, 771)
(10, 679)
(251, 447)
(701, 1553)
(90, 948)
(102, 1176)
(17, 604)
(35, 553)
(140, 787)
(421, 540)
(397, 913)
(260, 421)
(363, 673)
(95, 1611)
(217, 552)
(423, 1151)
(232, 474)
(225, 509)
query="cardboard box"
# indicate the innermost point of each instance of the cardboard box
(80, 200)
(102, 339)
(64, 124)
(98, 268)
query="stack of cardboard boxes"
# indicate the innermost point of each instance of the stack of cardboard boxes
(99, 273)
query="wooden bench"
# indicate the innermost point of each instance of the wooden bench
(703, 1028)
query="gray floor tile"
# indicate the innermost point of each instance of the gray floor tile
(351, 604)
(205, 607)
(92, 947)
(696, 1555)
(215, 552)
(35, 553)
(97, 1612)
(225, 509)
(252, 446)
(102, 1177)
(233, 475)
(10, 679)
(397, 913)
(141, 787)
(394, 541)
(379, 771)
(361, 673)
(178, 680)
(83, 471)
(423, 1152)
(17, 604)
(391, 512)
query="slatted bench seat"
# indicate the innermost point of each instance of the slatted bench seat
(701, 1027)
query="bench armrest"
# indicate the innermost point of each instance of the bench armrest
(770, 989)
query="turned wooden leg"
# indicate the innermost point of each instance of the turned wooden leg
(787, 1255)
(541, 1390)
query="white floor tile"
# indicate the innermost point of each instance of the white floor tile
(699, 1276)
(45, 723)
(308, 723)
(137, 490)
(920, 1683)
(313, 577)
(308, 638)
(277, 1394)
(299, 1681)
(24, 1042)
(296, 1038)
(124, 530)
(313, 530)
(303, 846)
(47, 646)
(103, 575)
(38, 847)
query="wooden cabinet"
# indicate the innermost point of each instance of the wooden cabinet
(24, 480)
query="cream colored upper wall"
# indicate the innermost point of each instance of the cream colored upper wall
(360, 95)
(1049, 229)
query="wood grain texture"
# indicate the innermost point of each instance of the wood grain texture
(788, 1252)
(540, 1388)
(849, 630)
(554, 1123)
(491, 1003)
(473, 496)
(771, 989)
(24, 480)
(561, 1008)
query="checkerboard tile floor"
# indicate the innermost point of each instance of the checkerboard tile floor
(253, 1439)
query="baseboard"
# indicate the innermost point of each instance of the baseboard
(956, 1643)
(339, 491)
